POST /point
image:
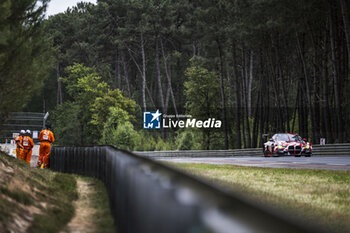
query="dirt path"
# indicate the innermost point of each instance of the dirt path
(83, 221)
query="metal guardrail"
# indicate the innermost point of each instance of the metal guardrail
(18, 121)
(326, 150)
(148, 197)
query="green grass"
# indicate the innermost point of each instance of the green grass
(100, 202)
(23, 189)
(5, 209)
(51, 193)
(17, 195)
(318, 196)
(60, 195)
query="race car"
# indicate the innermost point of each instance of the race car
(287, 144)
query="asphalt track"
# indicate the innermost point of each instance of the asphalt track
(314, 162)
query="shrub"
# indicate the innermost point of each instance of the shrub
(125, 137)
(146, 142)
(188, 140)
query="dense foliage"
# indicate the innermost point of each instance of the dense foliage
(24, 53)
(271, 65)
(81, 120)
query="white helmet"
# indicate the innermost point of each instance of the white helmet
(28, 131)
(23, 131)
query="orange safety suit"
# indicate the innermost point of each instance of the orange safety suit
(28, 145)
(46, 138)
(19, 146)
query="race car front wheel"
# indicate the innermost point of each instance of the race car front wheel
(267, 153)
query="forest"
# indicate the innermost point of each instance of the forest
(261, 66)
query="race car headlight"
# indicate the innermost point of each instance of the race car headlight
(280, 147)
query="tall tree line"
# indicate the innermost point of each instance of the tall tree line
(283, 66)
(24, 53)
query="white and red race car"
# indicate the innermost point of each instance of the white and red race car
(287, 144)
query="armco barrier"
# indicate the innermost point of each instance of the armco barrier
(326, 150)
(148, 197)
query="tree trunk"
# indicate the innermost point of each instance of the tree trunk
(44, 104)
(159, 78)
(223, 97)
(208, 116)
(345, 15)
(59, 85)
(237, 97)
(208, 140)
(168, 75)
(335, 64)
(295, 110)
(246, 128)
(327, 133)
(150, 98)
(194, 49)
(256, 116)
(277, 115)
(300, 110)
(250, 82)
(167, 97)
(143, 73)
(307, 86)
(159, 81)
(117, 78)
(317, 79)
(229, 89)
(126, 75)
(285, 107)
(272, 70)
(267, 106)
(262, 107)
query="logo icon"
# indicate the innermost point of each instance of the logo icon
(151, 120)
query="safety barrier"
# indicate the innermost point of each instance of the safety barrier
(18, 121)
(148, 197)
(326, 150)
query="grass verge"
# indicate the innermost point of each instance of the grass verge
(99, 201)
(320, 196)
(34, 200)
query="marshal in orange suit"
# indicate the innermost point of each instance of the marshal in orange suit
(46, 137)
(19, 146)
(28, 144)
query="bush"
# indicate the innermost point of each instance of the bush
(116, 117)
(146, 143)
(125, 137)
(66, 124)
(164, 145)
(217, 140)
(188, 140)
(118, 130)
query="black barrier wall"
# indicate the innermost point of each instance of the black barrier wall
(147, 197)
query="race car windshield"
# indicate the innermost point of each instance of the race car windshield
(286, 137)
